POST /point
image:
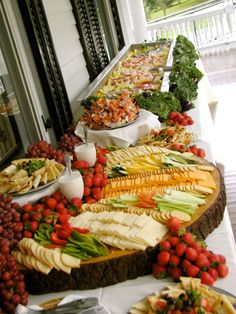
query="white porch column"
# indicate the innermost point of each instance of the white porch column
(133, 20)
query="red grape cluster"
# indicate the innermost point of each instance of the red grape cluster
(68, 143)
(11, 227)
(45, 150)
(12, 285)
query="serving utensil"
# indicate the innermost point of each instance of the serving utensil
(85, 133)
(68, 163)
(74, 307)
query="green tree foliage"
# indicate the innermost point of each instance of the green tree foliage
(153, 5)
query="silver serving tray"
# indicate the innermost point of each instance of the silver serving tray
(101, 79)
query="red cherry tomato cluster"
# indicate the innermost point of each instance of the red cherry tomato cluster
(182, 255)
(179, 118)
(192, 149)
(49, 209)
(94, 178)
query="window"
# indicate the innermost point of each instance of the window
(158, 9)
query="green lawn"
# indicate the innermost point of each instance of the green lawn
(185, 4)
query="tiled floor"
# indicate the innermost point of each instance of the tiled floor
(221, 71)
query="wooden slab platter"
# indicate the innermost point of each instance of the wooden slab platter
(123, 265)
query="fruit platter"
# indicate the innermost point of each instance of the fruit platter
(145, 209)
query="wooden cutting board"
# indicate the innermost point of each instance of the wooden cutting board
(120, 265)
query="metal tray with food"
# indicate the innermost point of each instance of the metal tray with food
(151, 50)
(29, 174)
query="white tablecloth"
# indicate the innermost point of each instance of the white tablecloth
(33, 197)
(124, 136)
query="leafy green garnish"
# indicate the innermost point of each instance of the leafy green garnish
(88, 101)
(185, 76)
(159, 103)
(184, 51)
(31, 166)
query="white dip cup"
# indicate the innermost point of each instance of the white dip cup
(72, 185)
(86, 152)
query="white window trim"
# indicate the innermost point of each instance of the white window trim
(31, 99)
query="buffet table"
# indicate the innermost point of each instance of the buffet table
(120, 297)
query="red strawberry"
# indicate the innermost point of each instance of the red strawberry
(62, 210)
(36, 216)
(32, 226)
(101, 159)
(207, 279)
(174, 224)
(46, 212)
(222, 258)
(173, 114)
(87, 191)
(191, 254)
(57, 195)
(187, 237)
(64, 218)
(174, 260)
(202, 261)
(214, 260)
(27, 234)
(26, 217)
(87, 180)
(175, 273)
(51, 203)
(163, 258)
(222, 270)
(180, 249)
(49, 219)
(184, 122)
(213, 272)
(165, 245)
(159, 271)
(192, 271)
(196, 246)
(27, 208)
(39, 207)
(76, 201)
(184, 264)
(174, 240)
(206, 252)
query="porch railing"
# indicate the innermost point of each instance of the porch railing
(204, 28)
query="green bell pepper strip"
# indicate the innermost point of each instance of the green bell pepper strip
(45, 226)
(77, 253)
(39, 236)
(88, 243)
